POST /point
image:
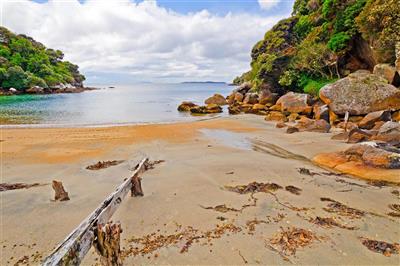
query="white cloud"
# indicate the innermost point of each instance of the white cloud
(142, 40)
(268, 4)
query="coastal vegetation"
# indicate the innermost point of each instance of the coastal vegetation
(25, 63)
(324, 40)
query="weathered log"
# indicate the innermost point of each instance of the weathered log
(74, 248)
(60, 193)
(136, 189)
(107, 243)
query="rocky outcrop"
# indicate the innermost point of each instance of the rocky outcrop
(251, 98)
(294, 103)
(368, 122)
(389, 132)
(35, 90)
(244, 88)
(186, 106)
(360, 93)
(275, 116)
(209, 109)
(368, 160)
(216, 99)
(265, 96)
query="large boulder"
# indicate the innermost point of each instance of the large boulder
(294, 103)
(216, 99)
(376, 156)
(266, 96)
(360, 93)
(387, 72)
(251, 98)
(186, 106)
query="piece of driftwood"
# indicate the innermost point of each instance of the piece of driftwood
(107, 243)
(60, 193)
(74, 248)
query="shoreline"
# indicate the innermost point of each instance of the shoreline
(128, 124)
(196, 169)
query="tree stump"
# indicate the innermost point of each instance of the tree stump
(61, 194)
(107, 243)
(136, 189)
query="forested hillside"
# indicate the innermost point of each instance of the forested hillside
(322, 41)
(25, 63)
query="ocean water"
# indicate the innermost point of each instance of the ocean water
(133, 104)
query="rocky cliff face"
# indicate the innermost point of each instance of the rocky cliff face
(322, 41)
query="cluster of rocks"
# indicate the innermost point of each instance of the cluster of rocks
(212, 105)
(60, 88)
(365, 105)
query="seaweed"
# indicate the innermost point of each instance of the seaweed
(382, 247)
(6, 186)
(287, 241)
(103, 164)
(152, 242)
(341, 209)
(329, 223)
(251, 225)
(254, 187)
(294, 190)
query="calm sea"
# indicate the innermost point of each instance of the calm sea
(133, 104)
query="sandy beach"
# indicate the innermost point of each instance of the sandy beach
(201, 159)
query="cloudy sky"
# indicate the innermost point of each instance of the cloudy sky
(122, 41)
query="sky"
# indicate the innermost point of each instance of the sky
(124, 41)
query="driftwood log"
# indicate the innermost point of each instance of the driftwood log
(74, 248)
(107, 243)
(60, 193)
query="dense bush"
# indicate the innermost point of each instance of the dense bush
(316, 44)
(379, 23)
(25, 63)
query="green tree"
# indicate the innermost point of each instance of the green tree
(15, 77)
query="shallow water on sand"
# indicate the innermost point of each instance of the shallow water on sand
(133, 104)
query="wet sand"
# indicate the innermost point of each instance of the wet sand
(200, 159)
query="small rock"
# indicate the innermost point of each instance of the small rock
(280, 125)
(234, 109)
(306, 124)
(275, 116)
(291, 130)
(293, 116)
(369, 120)
(396, 116)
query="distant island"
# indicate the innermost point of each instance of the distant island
(27, 66)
